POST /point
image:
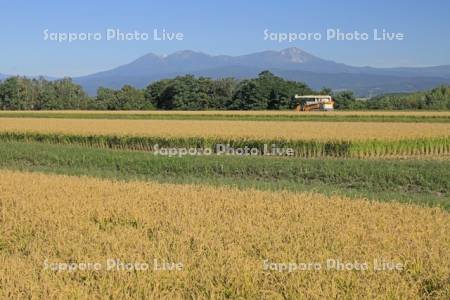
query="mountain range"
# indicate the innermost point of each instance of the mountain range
(291, 63)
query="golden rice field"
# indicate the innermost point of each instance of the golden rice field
(231, 129)
(240, 112)
(221, 236)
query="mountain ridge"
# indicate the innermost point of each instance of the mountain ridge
(291, 63)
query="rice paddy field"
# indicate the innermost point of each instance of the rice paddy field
(231, 112)
(112, 205)
(229, 129)
(335, 116)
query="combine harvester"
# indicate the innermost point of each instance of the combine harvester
(314, 102)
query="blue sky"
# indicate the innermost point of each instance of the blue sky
(217, 27)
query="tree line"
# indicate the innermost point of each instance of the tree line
(20, 93)
(266, 91)
(435, 99)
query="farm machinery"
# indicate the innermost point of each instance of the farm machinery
(314, 102)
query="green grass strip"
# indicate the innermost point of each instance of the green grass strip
(413, 181)
(312, 117)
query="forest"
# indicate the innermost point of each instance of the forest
(265, 92)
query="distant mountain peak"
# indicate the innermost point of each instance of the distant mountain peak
(178, 55)
(297, 55)
(186, 54)
(148, 57)
(293, 51)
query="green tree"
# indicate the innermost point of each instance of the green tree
(345, 100)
